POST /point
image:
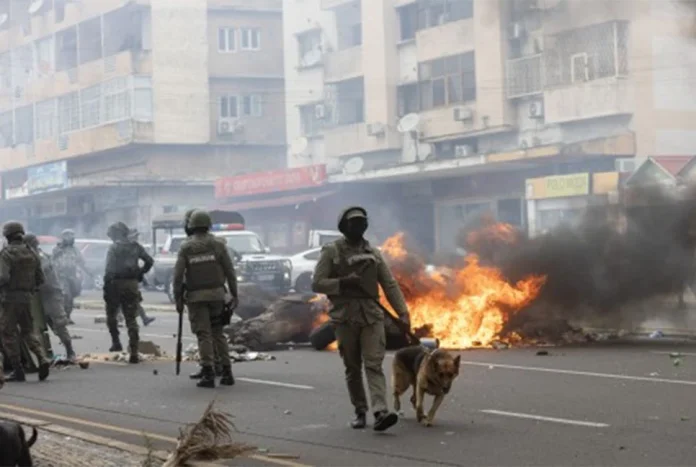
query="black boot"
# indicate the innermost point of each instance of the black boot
(17, 374)
(359, 422)
(115, 343)
(147, 320)
(218, 370)
(227, 378)
(44, 369)
(134, 356)
(385, 420)
(208, 378)
(198, 374)
(70, 351)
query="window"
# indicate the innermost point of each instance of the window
(142, 99)
(311, 125)
(24, 125)
(22, 65)
(251, 105)
(349, 35)
(46, 119)
(229, 107)
(407, 99)
(123, 30)
(116, 100)
(351, 97)
(90, 33)
(5, 71)
(250, 38)
(432, 13)
(313, 256)
(309, 45)
(69, 112)
(408, 21)
(90, 106)
(227, 40)
(45, 56)
(66, 49)
(6, 130)
(447, 81)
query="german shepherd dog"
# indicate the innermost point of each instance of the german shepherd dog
(428, 372)
(14, 446)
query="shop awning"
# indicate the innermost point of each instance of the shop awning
(276, 202)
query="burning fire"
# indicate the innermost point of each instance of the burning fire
(322, 318)
(463, 308)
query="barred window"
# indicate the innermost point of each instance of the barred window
(69, 112)
(91, 106)
(116, 100)
(46, 115)
(447, 81)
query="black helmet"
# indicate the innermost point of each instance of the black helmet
(31, 240)
(200, 219)
(12, 228)
(117, 231)
(350, 213)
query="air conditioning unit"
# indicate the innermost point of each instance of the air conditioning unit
(227, 126)
(375, 129)
(536, 109)
(625, 165)
(320, 111)
(463, 150)
(462, 114)
(515, 30)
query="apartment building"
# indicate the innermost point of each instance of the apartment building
(456, 103)
(123, 110)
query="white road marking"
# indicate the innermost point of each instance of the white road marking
(564, 421)
(660, 352)
(104, 331)
(275, 383)
(582, 373)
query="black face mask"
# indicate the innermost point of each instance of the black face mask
(355, 228)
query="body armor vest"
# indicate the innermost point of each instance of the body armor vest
(362, 262)
(23, 273)
(203, 270)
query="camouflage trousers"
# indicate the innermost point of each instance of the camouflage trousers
(68, 289)
(16, 324)
(56, 319)
(123, 295)
(206, 324)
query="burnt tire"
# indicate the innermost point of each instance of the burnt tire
(322, 337)
(303, 284)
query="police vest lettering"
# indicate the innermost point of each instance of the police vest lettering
(202, 258)
(355, 259)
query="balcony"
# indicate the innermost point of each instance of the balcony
(448, 39)
(598, 98)
(332, 4)
(348, 140)
(343, 65)
(525, 76)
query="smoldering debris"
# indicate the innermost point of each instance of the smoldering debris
(616, 257)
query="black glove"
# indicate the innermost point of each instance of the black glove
(350, 281)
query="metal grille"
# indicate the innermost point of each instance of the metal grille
(264, 266)
(525, 76)
(587, 54)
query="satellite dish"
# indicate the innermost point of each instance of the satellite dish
(299, 146)
(35, 6)
(408, 123)
(3, 18)
(312, 57)
(353, 165)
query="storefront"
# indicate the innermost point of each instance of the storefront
(562, 199)
(281, 206)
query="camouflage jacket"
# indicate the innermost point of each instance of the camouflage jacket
(339, 259)
(52, 283)
(123, 261)
(20, 273)
(67, 259)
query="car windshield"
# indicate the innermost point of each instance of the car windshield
(244, 244)
(176, 244)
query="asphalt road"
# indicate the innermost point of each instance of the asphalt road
(621, 404)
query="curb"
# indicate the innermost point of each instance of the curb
(90, 438)
(99, 305)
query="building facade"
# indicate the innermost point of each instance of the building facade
(115, 110)
(455, 104)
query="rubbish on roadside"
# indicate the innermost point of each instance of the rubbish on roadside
(656, 334)
(685, 419)
(654, 373)
(75, 337)
(542, 352)
(676, 361)
(262, 450)
(149, 348)
(209, 439)
(287, 412)
(238, 353)
(498, 345)
(155, 372)
(676, 355)
(100, 320)
(83, 365)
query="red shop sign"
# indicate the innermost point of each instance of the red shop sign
(267, 182)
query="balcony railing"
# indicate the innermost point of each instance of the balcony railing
(525, 76)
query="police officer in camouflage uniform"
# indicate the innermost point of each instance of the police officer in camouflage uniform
(349, 272)
(51, 298)
(20, 276)
(205, 265)
(67, 259)
(121, 291)
(133, 235)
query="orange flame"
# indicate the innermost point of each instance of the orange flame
(318, 321)
(463, 308)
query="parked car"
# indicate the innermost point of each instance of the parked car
(303, 265)
(47, 243)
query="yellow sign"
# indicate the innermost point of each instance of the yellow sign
(567, 185)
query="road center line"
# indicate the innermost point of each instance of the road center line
(564, 421)
(104, 331)
(128, 431)
(275, 383)
(582, 373)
